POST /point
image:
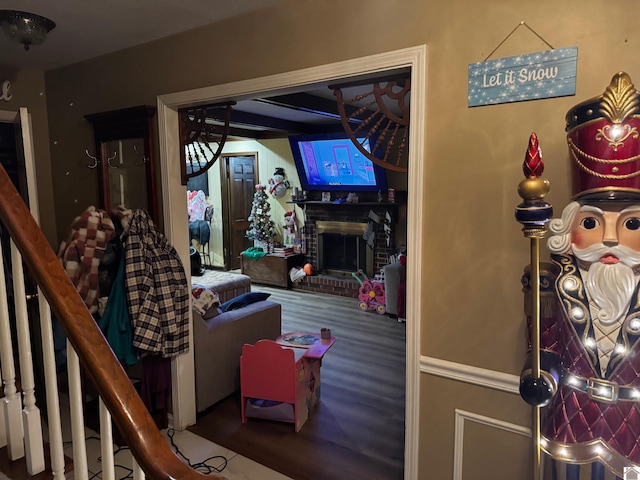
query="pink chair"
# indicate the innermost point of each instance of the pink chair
(269, 371)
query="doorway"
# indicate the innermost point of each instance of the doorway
(238, 186)
(174, 202)
(13, 157)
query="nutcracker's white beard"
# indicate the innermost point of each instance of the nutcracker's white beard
(610, 286)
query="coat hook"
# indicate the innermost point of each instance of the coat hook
(95, 160)
(115, 154)
(145, 159)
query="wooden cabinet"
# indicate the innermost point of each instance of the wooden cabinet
(271, 269)
(125, 158)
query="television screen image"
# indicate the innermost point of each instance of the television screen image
(333, 162)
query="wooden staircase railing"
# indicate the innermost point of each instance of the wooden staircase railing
(148, 447)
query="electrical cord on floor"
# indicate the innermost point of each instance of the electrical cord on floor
(202, 467)
(128, 476)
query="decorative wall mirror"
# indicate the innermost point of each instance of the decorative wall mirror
(125, 159)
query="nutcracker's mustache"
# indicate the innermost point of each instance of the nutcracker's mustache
(610, 286)
(595, 252)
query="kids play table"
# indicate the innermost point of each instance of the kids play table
(315, 346)
(280, 380)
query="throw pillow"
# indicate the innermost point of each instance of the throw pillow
(243, 300)
(203, 299)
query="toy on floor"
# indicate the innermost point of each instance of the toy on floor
(371, 293)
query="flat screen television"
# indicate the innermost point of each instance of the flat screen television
(331, 162)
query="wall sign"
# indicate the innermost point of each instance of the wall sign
(5, 91)
(533, 76)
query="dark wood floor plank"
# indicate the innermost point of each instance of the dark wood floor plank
(17, 469)
(357, 430)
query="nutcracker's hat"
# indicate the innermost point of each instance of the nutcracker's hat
(603, 134)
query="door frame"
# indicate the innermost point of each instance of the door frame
(175, 204)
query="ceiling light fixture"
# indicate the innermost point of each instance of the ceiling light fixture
(24, 27)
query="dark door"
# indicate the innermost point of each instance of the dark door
(238, 190)
(12, 158)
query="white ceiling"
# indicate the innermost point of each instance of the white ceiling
(90, 28)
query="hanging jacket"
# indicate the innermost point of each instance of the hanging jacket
(115, 322)
(81, 253)
(156, 288)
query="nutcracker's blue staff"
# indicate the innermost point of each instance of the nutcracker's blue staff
(534, 214)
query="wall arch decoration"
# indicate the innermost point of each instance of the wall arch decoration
(382, 117)
(203, 133)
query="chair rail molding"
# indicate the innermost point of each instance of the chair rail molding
(482, 377)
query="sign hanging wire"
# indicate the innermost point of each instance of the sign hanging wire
(514, 31)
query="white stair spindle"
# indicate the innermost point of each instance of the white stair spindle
(32, 423)
(80, 469)
(52, 393)
(106, 444)
(138, 473)
(12, 404)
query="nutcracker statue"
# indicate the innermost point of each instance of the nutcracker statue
(583, 373)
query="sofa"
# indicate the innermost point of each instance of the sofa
(218, 341)
(226, 284)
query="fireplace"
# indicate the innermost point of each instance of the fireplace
(334, 244)
(341, 249)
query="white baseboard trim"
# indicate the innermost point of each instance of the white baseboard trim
(482, 377)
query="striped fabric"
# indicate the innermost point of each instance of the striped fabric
(157, 289)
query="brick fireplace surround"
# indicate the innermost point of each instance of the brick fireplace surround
(316, 211)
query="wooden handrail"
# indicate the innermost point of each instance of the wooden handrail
(148, 446)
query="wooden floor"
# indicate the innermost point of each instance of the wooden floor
(17, 469)
(357, 431)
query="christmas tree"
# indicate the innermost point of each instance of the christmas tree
(262, 227)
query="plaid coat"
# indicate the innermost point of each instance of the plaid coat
(81, 253)
(156, 288)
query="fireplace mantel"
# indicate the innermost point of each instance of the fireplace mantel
(346, 205)
(342, 204)
(348, 211)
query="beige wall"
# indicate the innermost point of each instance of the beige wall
(28, 90)
(474, 249)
